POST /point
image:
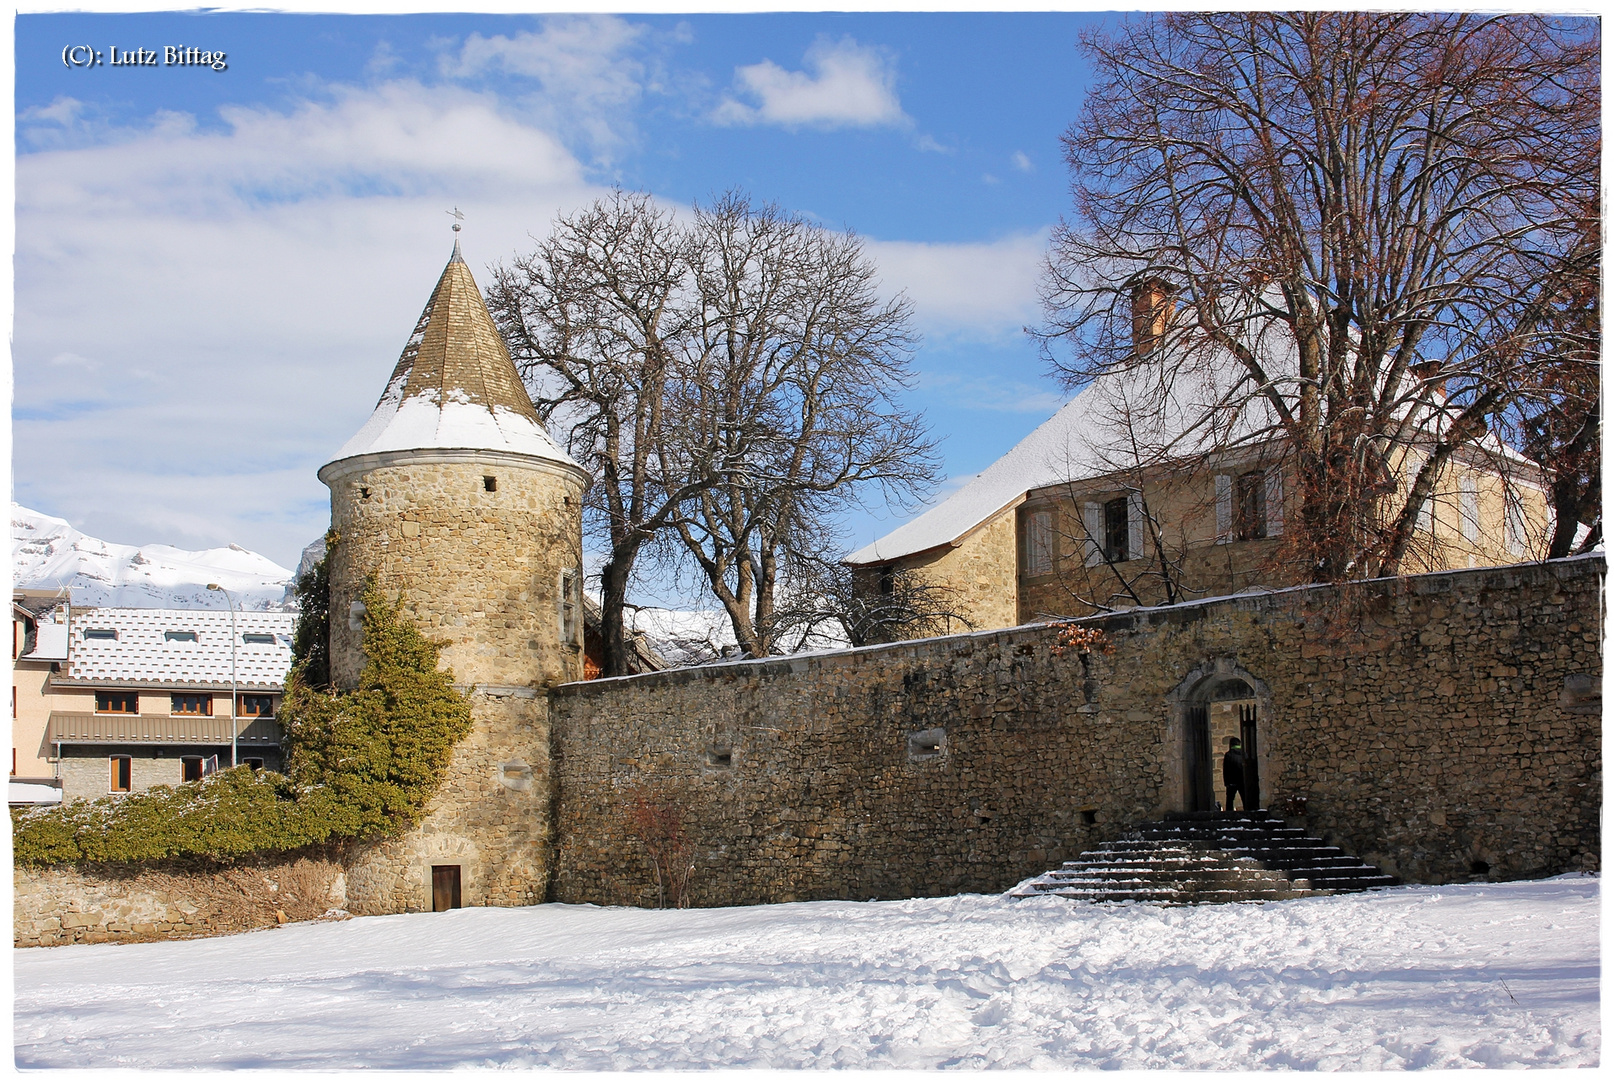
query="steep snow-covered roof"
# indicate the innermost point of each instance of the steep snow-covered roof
(1059, 449)
(152, 646)
(454, 386)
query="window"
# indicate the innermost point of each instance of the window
(179, 635)
(121, 772)
(253, 763)
(1513, 525)
(117, 701)
(94, 633)
(1039, 545)
(190, 768)
(568, 606)
(490, 483)
(888, 580)
(257, 639)
(257, 705)
(1117, 533)
(1250, 505)
(190, 704)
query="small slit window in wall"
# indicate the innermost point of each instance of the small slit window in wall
(117, 701)
(190, 704)
(122, 773)
(720, 757)
(190, 768)
(569, 603)
(257, 639)
(253, 763)
(927, 745)
(180, 635)
(490, 483)
(100, 633)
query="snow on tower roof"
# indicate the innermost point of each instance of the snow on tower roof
(455, 386)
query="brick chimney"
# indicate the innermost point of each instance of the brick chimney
(1431, 369)
(1152, 308)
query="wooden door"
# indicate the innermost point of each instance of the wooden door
(445, 888)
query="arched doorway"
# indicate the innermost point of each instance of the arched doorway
(1216, 703)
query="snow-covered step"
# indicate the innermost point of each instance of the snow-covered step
(1203, 858)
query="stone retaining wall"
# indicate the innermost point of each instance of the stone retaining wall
(1443, 727)
(65, 905)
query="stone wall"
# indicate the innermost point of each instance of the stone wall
(61, 905)
(478, 548)
(1442, 727)
(980, 571)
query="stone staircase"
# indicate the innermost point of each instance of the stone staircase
(1208, 858)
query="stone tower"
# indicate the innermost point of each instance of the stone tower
(454, 496)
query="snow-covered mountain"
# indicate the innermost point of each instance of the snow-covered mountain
(48, 553)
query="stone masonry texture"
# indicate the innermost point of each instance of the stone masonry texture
(480, 570)
(1441, 727)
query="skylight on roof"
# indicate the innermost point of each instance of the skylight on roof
(258, 639)
(179, 635)
(99, 633)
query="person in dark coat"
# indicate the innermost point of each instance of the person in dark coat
(1233, 773)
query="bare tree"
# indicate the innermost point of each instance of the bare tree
(1328, 230)
(842, 606)
(790, 410)
(594, 319)
(731, 382)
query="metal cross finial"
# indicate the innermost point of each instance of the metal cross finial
(457, 216)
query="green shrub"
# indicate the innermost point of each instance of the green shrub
(360, 765)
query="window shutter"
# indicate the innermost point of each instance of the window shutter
(1224, 509)
(1093, 526)
(1470, 509)
(1040, 543)
(1274, 495)
(1134, 525)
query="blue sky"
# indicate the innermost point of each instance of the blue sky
(216, 270)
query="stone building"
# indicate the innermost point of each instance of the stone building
(453, 497)
(1078, 518)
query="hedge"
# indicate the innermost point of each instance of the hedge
(360, 765)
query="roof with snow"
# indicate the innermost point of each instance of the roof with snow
(178, 647)
(1059, 449)
(455, 386)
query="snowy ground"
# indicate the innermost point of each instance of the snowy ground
(1466, 975)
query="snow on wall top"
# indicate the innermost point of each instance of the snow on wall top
(454, 386)
(48, 553)
(145, 651)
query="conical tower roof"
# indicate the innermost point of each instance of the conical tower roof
(455, 387)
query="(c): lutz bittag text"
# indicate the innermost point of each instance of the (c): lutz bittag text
(86, 56)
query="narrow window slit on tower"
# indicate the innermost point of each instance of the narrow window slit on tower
(490, 483)
(720, 757)
(927, 744)
(364, 493)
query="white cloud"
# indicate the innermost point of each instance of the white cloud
(986, 289)
(1019, 160)
(590, 71)
(202, 317)
(850, 85)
